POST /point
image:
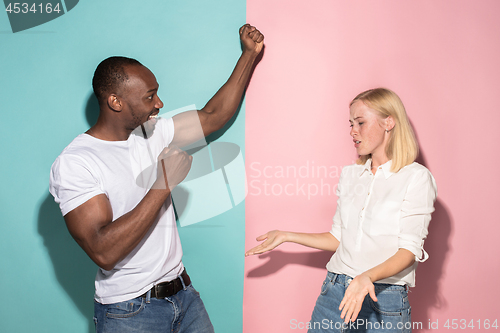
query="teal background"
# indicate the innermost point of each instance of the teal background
(46, 100)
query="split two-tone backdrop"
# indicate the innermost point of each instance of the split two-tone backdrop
(440, 56)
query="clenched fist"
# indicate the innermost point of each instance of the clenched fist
(173, 166)
(251, 38)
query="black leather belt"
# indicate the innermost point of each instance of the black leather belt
(170, 288)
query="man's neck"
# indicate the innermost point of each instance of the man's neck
(103, 131)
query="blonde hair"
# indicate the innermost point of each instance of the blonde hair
(402, 147)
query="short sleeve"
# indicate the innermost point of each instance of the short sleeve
(416, 211)
(336, 226)
(72, 182)
(168, 130)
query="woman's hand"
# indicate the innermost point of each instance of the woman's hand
(271, 240)
(321, 241)
(362, 284)
(354, 296)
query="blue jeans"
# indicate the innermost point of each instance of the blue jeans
(181, 313)
(390, 314)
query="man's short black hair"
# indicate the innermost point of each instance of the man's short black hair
(110, 75)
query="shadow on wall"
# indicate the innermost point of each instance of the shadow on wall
(74, 270)
(279, 259)
(427, 294)
(92, 109)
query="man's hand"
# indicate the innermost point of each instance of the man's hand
(251, 38)
(173, 166)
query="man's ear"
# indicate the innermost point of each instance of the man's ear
(114, 103)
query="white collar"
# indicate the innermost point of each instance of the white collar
(386, 168)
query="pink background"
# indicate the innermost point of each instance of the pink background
(443, 59)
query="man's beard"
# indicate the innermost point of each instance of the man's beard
(146, 128)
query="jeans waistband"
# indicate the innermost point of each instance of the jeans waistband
(346, 280)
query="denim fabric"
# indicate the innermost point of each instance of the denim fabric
(392, 312)
(181, 313)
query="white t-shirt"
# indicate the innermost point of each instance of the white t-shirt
(377, 214)
(123, 171)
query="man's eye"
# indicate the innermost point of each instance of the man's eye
(360, 124)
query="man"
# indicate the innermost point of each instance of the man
(113, 184)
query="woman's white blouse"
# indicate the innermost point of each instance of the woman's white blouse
(377, 214)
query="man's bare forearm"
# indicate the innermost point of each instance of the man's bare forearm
(223, 105)
(115, 240)
(107, 241)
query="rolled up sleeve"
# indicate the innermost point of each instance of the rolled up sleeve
(72, 183)
(416, 211)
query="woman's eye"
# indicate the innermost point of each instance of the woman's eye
(360, 124)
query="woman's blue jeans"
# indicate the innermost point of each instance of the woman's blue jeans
(390, 314)
(182, 312)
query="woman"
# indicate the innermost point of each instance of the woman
(384, 207)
